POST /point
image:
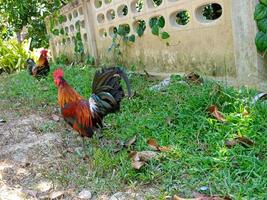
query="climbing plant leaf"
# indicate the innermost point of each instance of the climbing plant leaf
(155, 30)
(165, 35)
(260, 12)
(261, 41)
(262, 25)
(264, 2)
(132, 38)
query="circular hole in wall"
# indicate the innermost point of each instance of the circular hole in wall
(75, 13)
(68, 40)
(103, 33)
(112, 31)
(209, 12)
(124, 29)
(180, 18)
(81, 11)
(139, 27)
(154, 3)
(85, 37)
(122, 10)
(73, 39)
(83, 24)
(67, 29)
(100, 18)
(157, 21)
(137, 6)
(98, 3)
(77, 25)
(71, 28)
(108, 1)
(110, 14)
(70, 16)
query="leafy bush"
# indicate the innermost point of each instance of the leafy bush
(260, 16)
(12, 56)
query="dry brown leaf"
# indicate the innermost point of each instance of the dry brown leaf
(140, 158)
(138, 164)
(245, 113)
(244, 141)
(193, 78)
(130, 142)
(154, 145)
(216, 113)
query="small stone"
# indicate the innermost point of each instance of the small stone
(56, 194)
(204, 188)
(126, 196)
(55, 118)
(85, 194)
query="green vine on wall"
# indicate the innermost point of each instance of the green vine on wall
(260, 16)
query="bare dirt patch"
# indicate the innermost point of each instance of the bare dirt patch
(23, 149)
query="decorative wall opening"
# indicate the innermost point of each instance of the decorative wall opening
(137, 6)
(110, 15)
(98, 3)
(122, 10)
(180, 18)
(103, 33)
(154, 3)
(100, 18)
(112, 31)
(209, 12)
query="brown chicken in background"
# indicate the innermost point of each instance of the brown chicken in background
(85, 116)
(41, 68)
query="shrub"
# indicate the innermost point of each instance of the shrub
(12, 56)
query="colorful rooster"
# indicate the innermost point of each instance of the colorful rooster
(42, 68)
(85, 116)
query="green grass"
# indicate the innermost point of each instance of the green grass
(198, 155)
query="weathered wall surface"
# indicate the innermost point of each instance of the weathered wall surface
(223, 47)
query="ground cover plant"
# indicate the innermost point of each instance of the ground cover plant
(178, 117)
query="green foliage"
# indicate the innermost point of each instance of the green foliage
(182, 17)
(79, 47)
(176, 117)
(63, 59)
(157, 24)
(260, 15)
(120, 35)
(30, 13)
(12, 56)
(261, 41)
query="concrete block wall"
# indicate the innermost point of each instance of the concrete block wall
(222, 48)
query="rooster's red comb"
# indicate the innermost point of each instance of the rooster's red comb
(58, 73)
(44, 52)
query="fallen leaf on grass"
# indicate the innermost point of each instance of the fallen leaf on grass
(245, 113)
(244, 141)
(154, 145)
(216, 113)
(56, 118)
(193, 78)
(139, 159)
(121, 145)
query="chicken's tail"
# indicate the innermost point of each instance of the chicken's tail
(30, 65)
(107, 90)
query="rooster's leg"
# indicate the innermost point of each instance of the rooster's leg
(84, 148)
